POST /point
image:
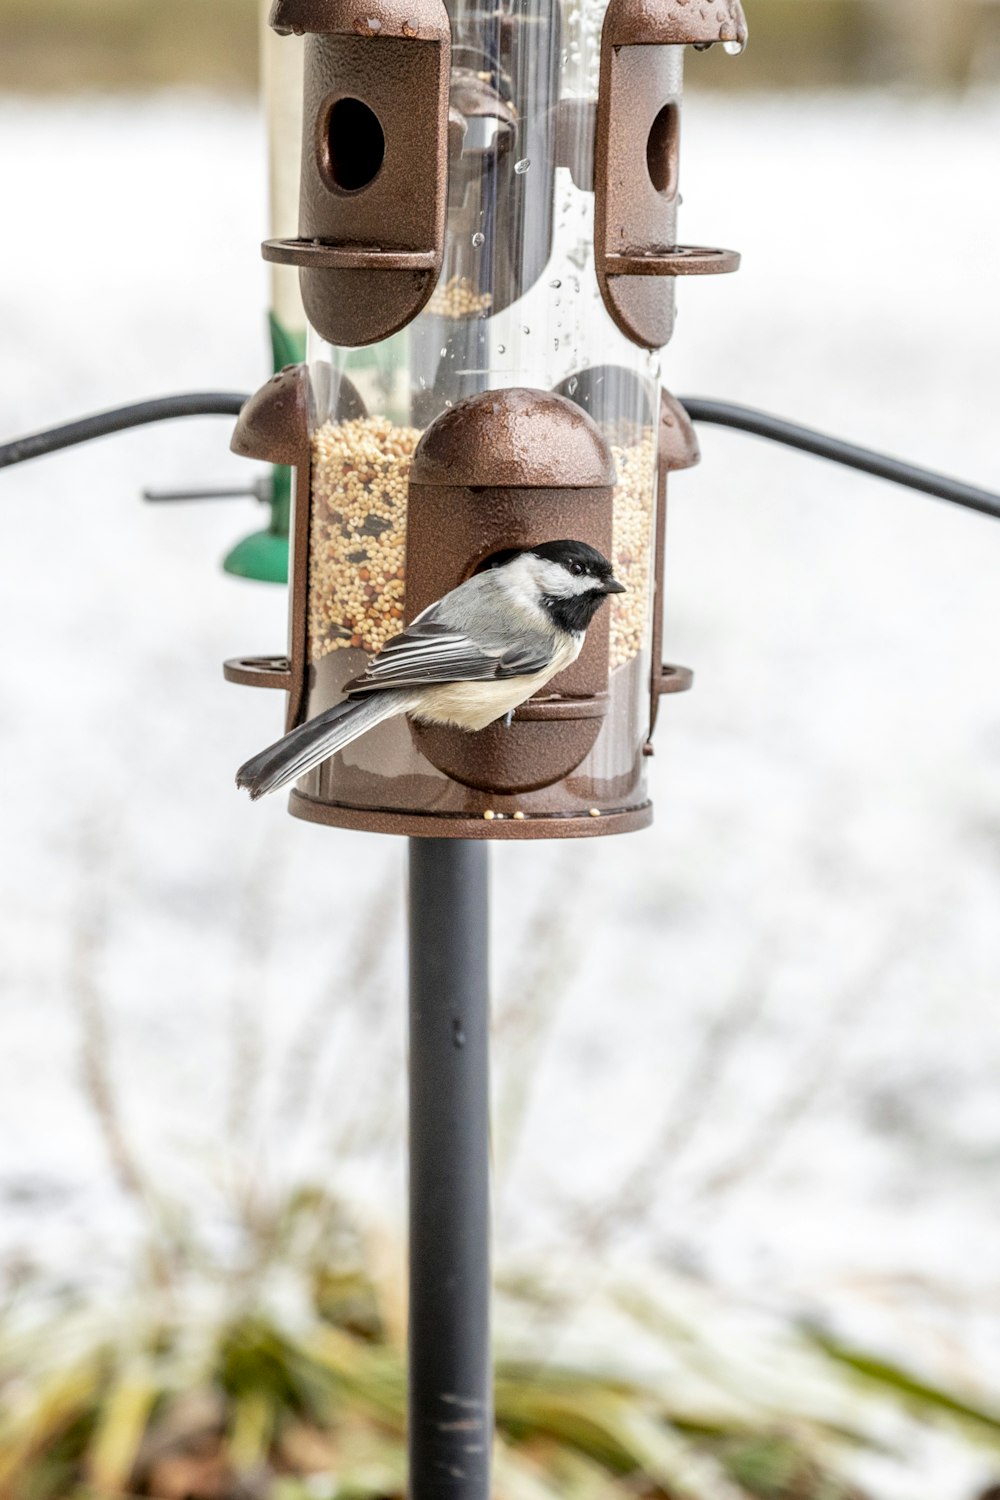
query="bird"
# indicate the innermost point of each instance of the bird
(467, 660)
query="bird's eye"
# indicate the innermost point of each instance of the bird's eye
(576, 569)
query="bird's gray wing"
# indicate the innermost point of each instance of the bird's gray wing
(433, 650)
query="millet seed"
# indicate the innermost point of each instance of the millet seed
(457, 299)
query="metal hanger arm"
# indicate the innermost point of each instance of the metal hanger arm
(821, 445)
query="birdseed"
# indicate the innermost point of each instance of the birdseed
(358, 538)
(632, 547)
(458, 299)
(357, 541)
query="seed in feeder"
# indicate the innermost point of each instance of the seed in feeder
(458, 299)
(632, 543)
(595, 812)
(519, 817)
(520, 167)
(359, 489)
(489, 815)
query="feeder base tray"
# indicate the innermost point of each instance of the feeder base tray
(468, 826)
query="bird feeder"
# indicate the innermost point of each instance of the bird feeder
(488, 258)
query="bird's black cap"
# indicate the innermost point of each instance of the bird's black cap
(576, 557)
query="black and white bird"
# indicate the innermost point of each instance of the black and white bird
(468, 660)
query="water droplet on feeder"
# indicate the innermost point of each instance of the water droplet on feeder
(733, 48)
(501, 348)
(520, 167)
(478, 239)
(556, 342)
(525, 328)
(572, 386)
(374, 24)
(555, 285)
(444, 351)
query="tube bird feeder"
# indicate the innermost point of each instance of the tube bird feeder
(488, 258)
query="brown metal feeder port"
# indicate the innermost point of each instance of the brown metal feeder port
(506, 469)
(637, 154)
(374, 162)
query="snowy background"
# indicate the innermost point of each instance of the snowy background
(772, 1038)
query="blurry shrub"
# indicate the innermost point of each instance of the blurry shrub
(67, 44)
(73, 44)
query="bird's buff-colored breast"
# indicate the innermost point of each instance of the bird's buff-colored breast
(473, 705)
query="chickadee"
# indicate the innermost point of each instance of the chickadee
(468, 660)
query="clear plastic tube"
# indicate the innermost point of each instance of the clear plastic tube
(517, 304)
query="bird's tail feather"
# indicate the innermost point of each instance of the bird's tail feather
(305, 747)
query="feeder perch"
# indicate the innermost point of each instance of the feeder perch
(374, 162)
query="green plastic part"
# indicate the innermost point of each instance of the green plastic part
(288, 346)
(264, 555)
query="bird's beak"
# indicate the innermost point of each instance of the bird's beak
(612, 586)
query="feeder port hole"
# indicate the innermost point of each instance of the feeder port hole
(351, 146)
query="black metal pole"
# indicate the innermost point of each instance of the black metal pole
(450, 1366)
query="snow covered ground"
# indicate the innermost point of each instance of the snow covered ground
(779, 1009)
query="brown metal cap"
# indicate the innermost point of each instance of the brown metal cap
(678, 447)
(516, 438)
(359, 18)
(676, 23)
(274, 424)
